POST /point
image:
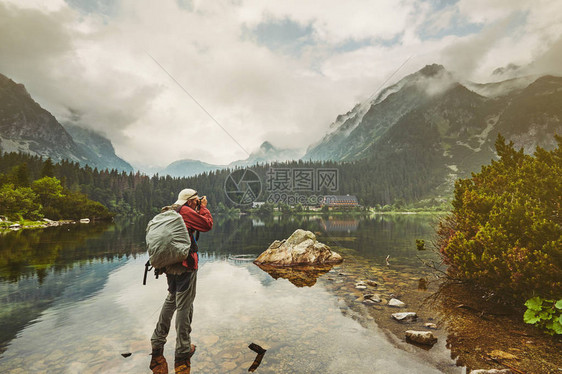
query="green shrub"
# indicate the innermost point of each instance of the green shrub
(546, 314)
(505, 230)
(17, 202)
(47, 198)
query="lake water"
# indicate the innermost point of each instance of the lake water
(73, 301)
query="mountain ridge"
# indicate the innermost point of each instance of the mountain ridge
(265, 153)
(97, 147)
(27, 127)
(432, 113)
(376, 118)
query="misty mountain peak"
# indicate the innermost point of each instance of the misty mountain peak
(267, 147)
(504, 71)
(432, 70)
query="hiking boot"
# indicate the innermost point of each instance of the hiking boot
(158, 365)
(183, 363)
(182, 368)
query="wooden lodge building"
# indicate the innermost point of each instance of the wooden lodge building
(340, 201)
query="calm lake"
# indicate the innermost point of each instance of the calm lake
(73, 301)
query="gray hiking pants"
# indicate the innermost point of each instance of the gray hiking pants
(180, 298)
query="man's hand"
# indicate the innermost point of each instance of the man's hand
(204, 201)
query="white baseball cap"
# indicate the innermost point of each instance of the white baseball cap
(185, 195)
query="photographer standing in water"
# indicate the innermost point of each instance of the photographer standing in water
(182, 279)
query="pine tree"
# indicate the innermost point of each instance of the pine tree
(48, 169)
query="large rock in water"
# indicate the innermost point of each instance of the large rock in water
(301, 248)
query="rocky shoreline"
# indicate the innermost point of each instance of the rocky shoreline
(433, 319)
(16, 226)
(420, 311)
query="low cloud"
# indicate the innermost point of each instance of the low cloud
(91, 65)
(549, 61)
(55, 61)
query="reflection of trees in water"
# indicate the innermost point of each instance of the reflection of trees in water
(34, 252)
(374, 236)
(57, 265)
(29, 253)
(240, 235)
(72, 262)
(381, 235)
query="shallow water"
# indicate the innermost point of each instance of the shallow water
(73, 300)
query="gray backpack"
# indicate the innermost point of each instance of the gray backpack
(167, 240)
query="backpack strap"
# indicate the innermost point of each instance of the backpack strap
(147, 268)
(193, 234)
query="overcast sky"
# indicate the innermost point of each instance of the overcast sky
(276, 70)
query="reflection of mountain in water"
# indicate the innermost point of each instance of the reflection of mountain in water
(42, 268)
(26, 300)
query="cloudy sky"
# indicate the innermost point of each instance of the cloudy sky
(277, 70)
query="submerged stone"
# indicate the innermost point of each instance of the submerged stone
(374, 297)
(405, 316)
(396, 303)
(496, 353)
(421, 337)
(360, 287)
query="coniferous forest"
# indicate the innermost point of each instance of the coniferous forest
(374, 181)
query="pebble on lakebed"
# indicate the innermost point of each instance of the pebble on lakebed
(430, 325)
(421, 337)
(405, 316)
(396, 303)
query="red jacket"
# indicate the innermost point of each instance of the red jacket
(200, 221)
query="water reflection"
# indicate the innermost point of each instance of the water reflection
(30, 253)
(82, 304)
(300, 276)
(373, 237)
(61, 264)
(338, 225)
(302, 329)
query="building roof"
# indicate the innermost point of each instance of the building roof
(340, 200)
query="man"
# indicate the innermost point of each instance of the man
(182, 279)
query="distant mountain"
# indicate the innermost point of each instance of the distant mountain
(353, 133)
(26, 127)
(266, 153)
(98, 148)
(188, 168)
(452, 124)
